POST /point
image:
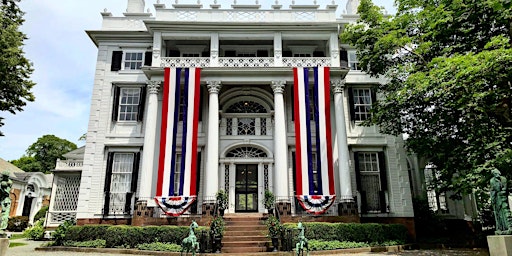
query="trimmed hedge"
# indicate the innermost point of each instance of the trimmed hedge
(353, 232)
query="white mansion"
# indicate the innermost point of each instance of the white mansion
(245, 140)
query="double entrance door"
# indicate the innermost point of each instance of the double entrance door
(246, 188)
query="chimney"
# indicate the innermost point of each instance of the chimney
(135, 6)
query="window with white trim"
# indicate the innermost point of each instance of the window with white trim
(371, 181)
(361, 100)
(133, 60)
(353, 62)
(129, 104)
(177, 174)
(436, 198)
(120, 182)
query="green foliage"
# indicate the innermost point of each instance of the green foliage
(41, 213)
(274, 226)
(36, 232)
(222, 199)
(17, 223)
(17, 236)
(27, 164)
(98, 243)
(353, 232)
(85, 233)
(15, 69)
(269, 199)
(16, 244)
(60, 233)
(448, 69)
(320, 245)
(47, 149)
(158, 246)
(217, 227)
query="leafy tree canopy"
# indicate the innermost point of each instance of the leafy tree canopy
(28, 164)
(15, 69)
(449, 70)
(47, 149)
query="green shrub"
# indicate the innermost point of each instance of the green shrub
(59, 235)
(41, 213)
(320, 245)
(98, 243)
(86, 233)
(158, 246)
(17, 224)
(36, 232)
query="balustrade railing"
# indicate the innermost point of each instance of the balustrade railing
(247, 62)
(69, 164)
(55, 218)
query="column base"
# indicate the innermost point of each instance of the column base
(500, 245)
(284, 208)
(208, 209)
(142, 213)
(347, 208)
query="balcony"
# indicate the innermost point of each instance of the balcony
(69, 165)
(242, 62)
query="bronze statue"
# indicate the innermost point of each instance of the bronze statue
(189, 243)
(5, 200)
(303, 241)
(499, 202)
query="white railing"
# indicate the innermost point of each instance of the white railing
(307, 61)
(69, 164)
(185, 62)
(239, 62)
(55, 218)
(242, 62)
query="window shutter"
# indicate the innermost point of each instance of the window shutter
(351, 103)
(359, 185)
(174, 53)
(201, 102)
(135, 176)
(108, 179)
(318, 54)
(142, 103)
(293, 102)
(205, 54)
(115, 105)
(117, 58)
(344, 55)
(294, 167)
(373, 94)
(287, 53)
(230, 53)
(148, 58)
(262, 53)
(383, 182)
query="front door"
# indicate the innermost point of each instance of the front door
(246, 189)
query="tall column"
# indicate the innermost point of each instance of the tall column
(212, 153)
(341, 132)
(148, 155)
(280, 143)
(278, 49)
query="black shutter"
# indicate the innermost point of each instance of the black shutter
(294, 167)
(135, 177)
(373, 94)
(205, 54)
(115, 104)
(230, 53)
(174, 53)
(287, 53)
(351, 104)
(362, 193)
(383, 182)
(148, 58)
(262, 53)
(108, 179)
(293, 102)
(201, 102)
(142, 103)
(344, 55)
(117, 58)
(318, 54)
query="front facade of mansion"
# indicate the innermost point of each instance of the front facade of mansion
(246, 138)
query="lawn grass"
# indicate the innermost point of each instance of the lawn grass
(17, 236)
(14, 244)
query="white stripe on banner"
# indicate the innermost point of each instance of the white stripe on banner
(301, 94)
(171, 85)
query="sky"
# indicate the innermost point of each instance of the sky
(64, 59)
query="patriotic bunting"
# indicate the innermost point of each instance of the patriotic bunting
(314, 190)
(175, 203)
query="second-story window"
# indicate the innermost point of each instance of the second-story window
(133, 60)
(128, 104)
(353, 62)
(130, 60)
(361, 100)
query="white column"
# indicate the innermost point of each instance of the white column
(341, 132)
(148, 155)
(212, 153)
(335, 50)
(280, 143)
(214, 50)
(278, 50)
(157, 49)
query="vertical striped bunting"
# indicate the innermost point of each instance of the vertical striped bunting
(174, 204)
(315, 200)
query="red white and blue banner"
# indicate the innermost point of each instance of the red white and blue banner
(314, 179)
(175, 203)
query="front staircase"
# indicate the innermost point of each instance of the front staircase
(244, 233)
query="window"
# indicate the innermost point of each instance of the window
(436, 199)
(177, 174)
(120, 182)
(371, 181)
(128, 103)
(353, 62)
(130, 60)
(361, 100)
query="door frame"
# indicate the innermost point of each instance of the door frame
(246, 189)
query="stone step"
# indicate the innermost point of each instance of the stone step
(243, 250)
(244, 238)
(245, 233)
(246, 228)
(245, 244)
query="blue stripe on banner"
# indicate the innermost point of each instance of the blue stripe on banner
(317, 132)
(308, 132)
(177, 93)
(184, 138)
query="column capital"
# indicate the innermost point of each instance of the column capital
(338, 85)
(153, 86)
(278, 86)
(213, 86)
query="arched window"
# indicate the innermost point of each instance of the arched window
(246, 106)
(246, 152)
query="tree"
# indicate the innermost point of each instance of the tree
(47, 149)
(28, 164)
(15, 69)
(449, 70)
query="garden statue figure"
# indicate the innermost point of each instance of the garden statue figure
(499, 202)
(303, 241)
(5, 200)
(189, 243)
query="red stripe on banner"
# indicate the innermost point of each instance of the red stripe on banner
(197, 95)
(298, 158)
(163, 132)
(327, 79)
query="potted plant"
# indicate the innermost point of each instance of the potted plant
(269, 201)
(222, 201)
(217, 232)
(275, 228)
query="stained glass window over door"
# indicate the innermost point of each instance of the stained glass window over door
(246, 152)
(246, 106)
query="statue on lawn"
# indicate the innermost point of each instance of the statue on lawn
(5, 200)
(189, 243)
(303, 241)
(499, 202)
